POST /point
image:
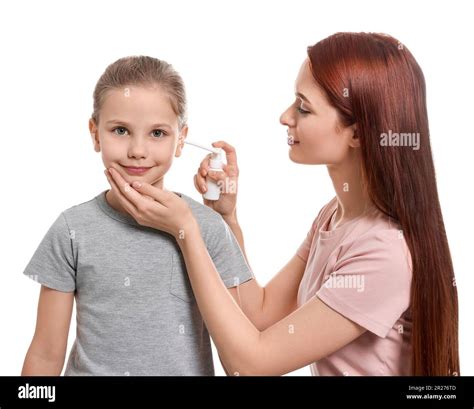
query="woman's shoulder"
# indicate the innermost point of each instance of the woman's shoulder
(323, 215)
(379, 237)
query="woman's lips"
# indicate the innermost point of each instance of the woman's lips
(134, 170)
(291, 140)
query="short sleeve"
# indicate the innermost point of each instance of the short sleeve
(370, 282)
(52, 264)
(305, 246)
(226, 254)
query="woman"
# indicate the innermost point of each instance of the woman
(371, 289)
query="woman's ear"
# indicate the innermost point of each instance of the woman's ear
(354, 141)
(182, 136)
(94, 135)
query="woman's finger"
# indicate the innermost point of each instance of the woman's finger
(231, 170)
(230, 153)
(139, 201)
(126, 204)
(160, 196)
(204, 165)
(201, 182)
(217, 175)
(202, 171)
(196, 185)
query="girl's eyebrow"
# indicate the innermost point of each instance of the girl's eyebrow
(161, 126)
(117, 121)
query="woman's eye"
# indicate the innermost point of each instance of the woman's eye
(120, 130)
(302, 111)
(158, 133)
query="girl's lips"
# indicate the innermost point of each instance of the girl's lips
(132, 170)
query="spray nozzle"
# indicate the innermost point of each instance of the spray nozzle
(213, 150)
(216, 157)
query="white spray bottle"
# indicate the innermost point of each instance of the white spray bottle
(213, 190)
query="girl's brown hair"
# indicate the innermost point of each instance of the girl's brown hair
(144, 71)
(375, 82)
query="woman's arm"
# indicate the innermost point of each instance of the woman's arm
(265, 306)
(306, 335)
(47, 351)
(278, 298)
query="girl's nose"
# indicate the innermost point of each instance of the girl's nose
(137, 148)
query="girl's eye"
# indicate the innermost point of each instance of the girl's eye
(302, 111)
(158, 133)
(120, 130)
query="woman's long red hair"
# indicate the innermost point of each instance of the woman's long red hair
(375, 82)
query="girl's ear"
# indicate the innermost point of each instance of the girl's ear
(182, 136)
(94, 134)
(354, 141)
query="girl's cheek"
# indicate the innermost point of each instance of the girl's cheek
(164, 152)
(109, 143)
(112, 153)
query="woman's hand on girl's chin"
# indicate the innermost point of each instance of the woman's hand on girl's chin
(153, 207)
(227, 180)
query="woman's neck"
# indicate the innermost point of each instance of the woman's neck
(352, 198)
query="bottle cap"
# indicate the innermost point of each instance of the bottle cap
(216, 159)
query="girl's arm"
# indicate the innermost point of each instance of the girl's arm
(47, 351)
(305, 336)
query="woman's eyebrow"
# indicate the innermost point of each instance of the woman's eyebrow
(299, 94)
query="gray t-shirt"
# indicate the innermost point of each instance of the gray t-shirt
(135, 308)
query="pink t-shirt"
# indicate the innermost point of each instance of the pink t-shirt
(362, 270)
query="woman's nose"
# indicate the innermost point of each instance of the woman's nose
(286, 118)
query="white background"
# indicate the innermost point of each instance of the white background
(239, 61)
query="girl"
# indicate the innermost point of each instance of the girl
(136, 313)
(371, 289)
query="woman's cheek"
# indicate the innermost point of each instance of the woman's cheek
(314, 143)
(336, 151)
(320, 147)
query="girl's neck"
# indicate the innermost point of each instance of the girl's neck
(113, 201)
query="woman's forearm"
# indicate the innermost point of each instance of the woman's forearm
(236, 338)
